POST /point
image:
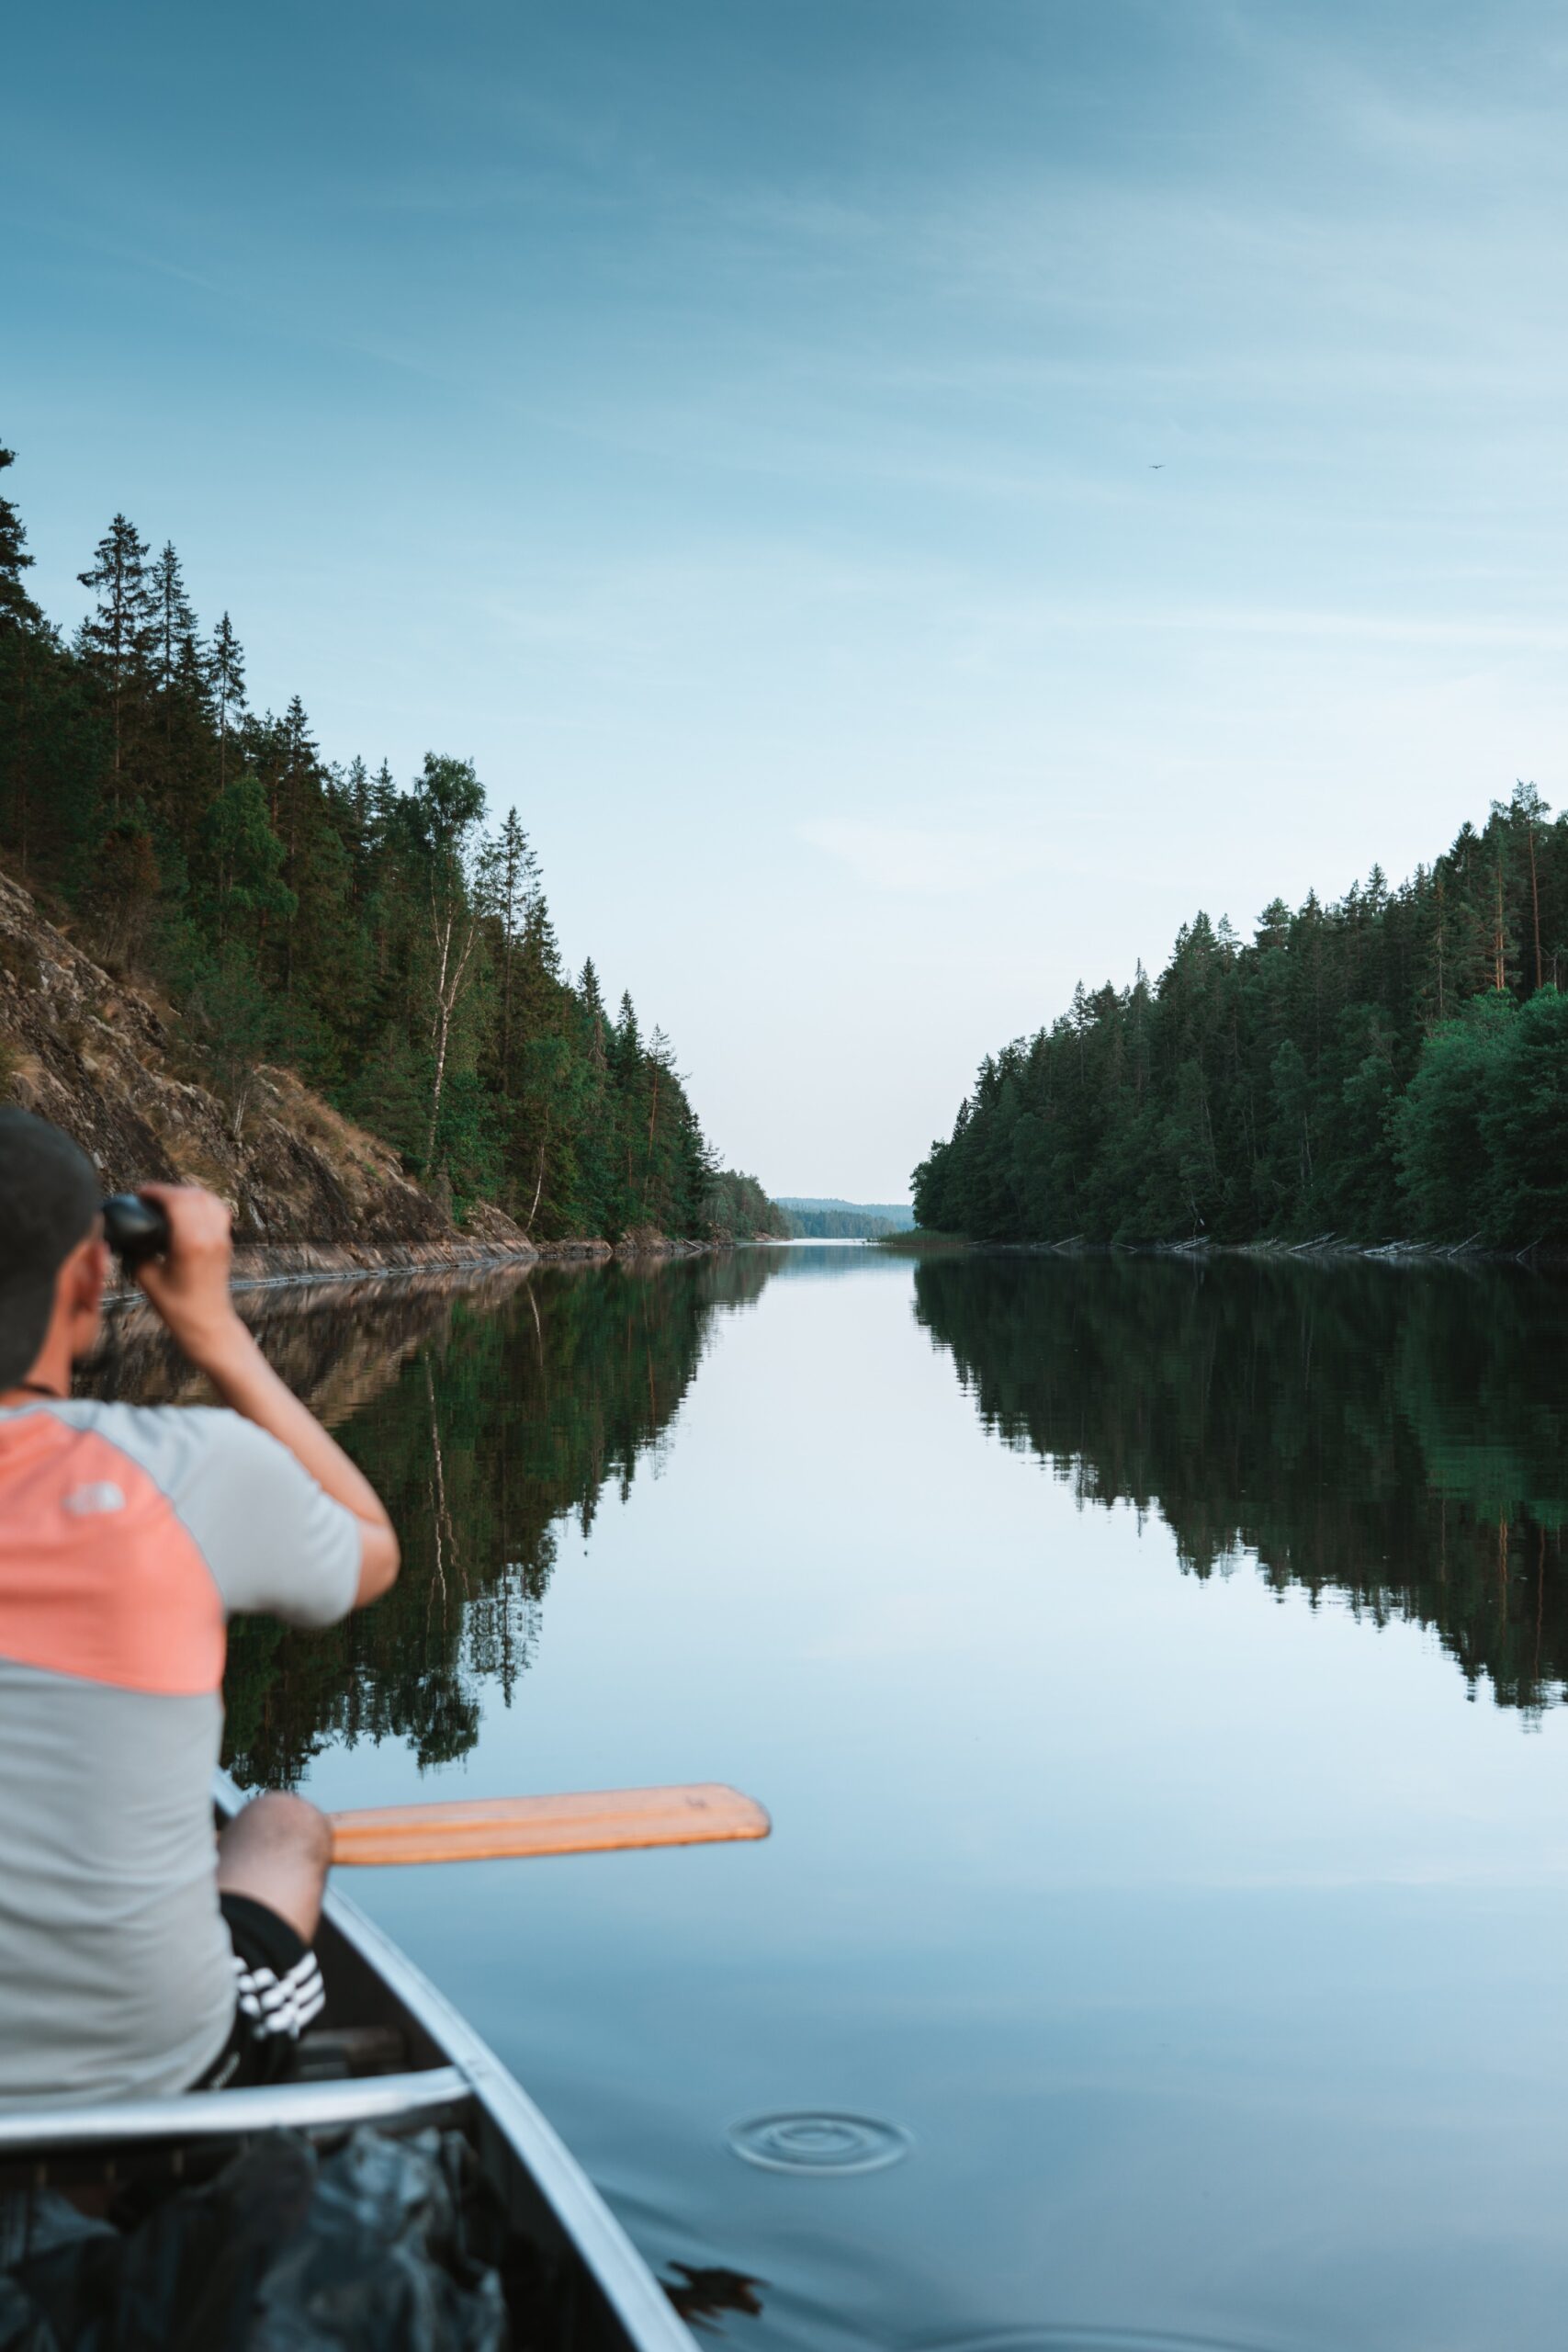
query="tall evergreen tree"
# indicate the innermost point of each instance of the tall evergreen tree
(118, 638)
(508, 873)
(226, 676)
(174, 622)
(18, 610)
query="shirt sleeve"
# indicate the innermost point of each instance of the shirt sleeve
(273, 1539)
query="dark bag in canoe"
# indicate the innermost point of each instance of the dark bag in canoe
(364, 2250)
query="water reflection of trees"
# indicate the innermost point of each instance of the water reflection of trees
(486, 1415)
(1394, 1436)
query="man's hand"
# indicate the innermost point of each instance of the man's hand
(189, 1287)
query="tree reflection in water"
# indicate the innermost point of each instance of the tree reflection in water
(485, 1412)
(1396, 1435)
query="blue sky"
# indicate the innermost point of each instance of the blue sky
(735, 426)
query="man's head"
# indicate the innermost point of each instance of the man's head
(53, 1261)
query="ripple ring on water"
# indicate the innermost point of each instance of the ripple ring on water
(820, 2143)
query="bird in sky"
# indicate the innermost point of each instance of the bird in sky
(1159, 469)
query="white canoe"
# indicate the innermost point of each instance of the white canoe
(392, 2051)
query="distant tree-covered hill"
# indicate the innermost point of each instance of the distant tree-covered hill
(1392, 1066)
(834, 1220)
(384, 938)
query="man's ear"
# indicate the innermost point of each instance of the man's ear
(81, 1291)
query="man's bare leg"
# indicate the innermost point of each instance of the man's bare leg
(278, 1852)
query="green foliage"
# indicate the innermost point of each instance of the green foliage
(384, 942)
(1527, 1124)
(16, 608)
(738, 1206)
(246, 860)
(1481, 1132)
(1392, 1067)
(239, 1019)
(1440, 1127)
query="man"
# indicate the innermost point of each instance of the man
(138, 1955)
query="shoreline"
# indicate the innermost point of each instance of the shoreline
(279, 1265)
(1325, 1247)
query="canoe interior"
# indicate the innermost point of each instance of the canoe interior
(374, 2057)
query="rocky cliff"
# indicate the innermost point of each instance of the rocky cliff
(309, 1190)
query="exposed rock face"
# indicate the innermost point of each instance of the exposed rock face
(93, 1055)
(647, 1241)
(492, 1228)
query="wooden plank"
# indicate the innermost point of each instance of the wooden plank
(496, 1828)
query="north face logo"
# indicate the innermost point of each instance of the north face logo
(83, 1502)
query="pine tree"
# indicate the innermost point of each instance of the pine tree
(44, 793)
(594, 1132)
(1529, 812)
(543, 1164)
(297, 779)
(173, 620)
(226, 679)
(355, 794)
(118, 639)
(509, 886)
(177, 782)
(18, 610)
(592, 1005)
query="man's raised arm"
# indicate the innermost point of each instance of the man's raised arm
(189, 1290)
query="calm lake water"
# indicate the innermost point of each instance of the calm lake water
(1154, 1676)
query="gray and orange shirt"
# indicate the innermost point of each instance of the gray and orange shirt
(129, 1536)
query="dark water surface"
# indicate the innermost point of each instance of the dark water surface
(1155, 1677)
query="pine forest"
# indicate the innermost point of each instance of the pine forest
(386, 938)
(1390, 1067)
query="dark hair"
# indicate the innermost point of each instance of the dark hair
(49, 1199)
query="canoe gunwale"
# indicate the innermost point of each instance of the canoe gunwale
(233, 2115)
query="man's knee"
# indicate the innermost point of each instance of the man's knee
(277, 1851)
(284, 1823)
(276, 1831)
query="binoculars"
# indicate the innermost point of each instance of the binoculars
(135, 1230)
